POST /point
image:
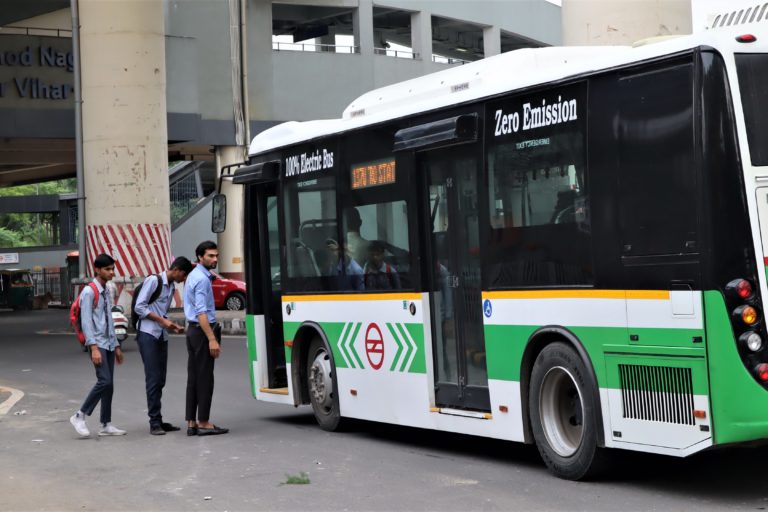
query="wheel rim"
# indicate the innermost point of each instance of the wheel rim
(320, 381)
(234, 303)
(561, 409)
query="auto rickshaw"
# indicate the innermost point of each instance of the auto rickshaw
(17, 290)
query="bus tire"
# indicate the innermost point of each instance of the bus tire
(564, 413)
(321, 386)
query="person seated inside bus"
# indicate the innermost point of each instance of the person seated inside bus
(346, 272)
(379, 275)
(356, 244)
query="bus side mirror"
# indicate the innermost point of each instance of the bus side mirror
(219, 214)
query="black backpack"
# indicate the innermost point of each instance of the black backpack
(152, 298)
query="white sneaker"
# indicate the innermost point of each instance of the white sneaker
(78, 421)
(111, 430)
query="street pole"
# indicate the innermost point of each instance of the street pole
(79, 139)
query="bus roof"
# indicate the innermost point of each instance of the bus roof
(487, 77)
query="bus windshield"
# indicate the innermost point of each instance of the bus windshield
(752, 69)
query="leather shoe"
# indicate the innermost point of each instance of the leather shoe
(191, 431)
(211, 431)
(170, 428)
(157, 431)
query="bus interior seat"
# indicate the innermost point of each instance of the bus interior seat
(306, 265)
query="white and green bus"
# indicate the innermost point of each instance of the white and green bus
(559, 246)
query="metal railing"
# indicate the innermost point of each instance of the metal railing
(36, 31)
(49, 282)
(185, 194)
(313, 47)
(401, 54)
(448, 60)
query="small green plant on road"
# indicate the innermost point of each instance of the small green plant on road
(301, 478)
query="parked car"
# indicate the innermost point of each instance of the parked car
(228, 293)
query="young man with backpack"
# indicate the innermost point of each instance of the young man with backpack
(96, 322)
(152, 300)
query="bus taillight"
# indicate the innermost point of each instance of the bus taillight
(746, 38)
(746, 314)
(751, 340)
(739, 288)
(762, 371)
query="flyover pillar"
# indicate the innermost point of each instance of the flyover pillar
(125, 148)
(597, 22)
(230, 242)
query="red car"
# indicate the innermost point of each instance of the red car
(228, 293)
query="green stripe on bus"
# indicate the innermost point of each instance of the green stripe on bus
(396, 337)
(505, 345)
(419, 360)
(738, 403)
(250, 342)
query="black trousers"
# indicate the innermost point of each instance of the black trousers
(199, 373)
(154, 354)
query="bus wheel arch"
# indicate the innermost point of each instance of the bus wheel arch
(312, 362)
(539, 340)
(299, 354)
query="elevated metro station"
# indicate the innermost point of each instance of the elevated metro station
(166, 89)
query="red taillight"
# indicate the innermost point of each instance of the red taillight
(739, 289)
(762, 371)
(746, 38)
(744, 289)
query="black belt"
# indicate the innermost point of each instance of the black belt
(197, 324)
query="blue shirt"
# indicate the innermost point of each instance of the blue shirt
(198, 295)
(97, 322)
(160, 307)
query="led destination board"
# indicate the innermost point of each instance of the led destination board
(373, 174)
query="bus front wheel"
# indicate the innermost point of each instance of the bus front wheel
(321, 385)
(564, 413)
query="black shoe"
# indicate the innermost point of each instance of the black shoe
(191, 431)
(157, 430)
(215, 431)
(170, 428)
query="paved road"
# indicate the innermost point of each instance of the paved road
(44, 466)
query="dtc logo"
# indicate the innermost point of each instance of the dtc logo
(487, 308)
(374, 346)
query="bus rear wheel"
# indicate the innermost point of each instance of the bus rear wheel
(321, 386)
(564, 414)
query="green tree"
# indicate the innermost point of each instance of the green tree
(31, 229)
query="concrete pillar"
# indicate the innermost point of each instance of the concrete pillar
(421, 36)
(125, 148)
(363, 27)
(597, 22)
(230, 242)
(491, 41)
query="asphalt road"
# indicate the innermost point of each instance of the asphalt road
(45, 466)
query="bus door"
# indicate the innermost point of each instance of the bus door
(450, 177)
(265, 274)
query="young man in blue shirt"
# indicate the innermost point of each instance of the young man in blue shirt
(152, 336)
(100, 339)
(203, 341)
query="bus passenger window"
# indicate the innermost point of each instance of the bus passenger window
(538, 198)
(377, 240)
(310, 219)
